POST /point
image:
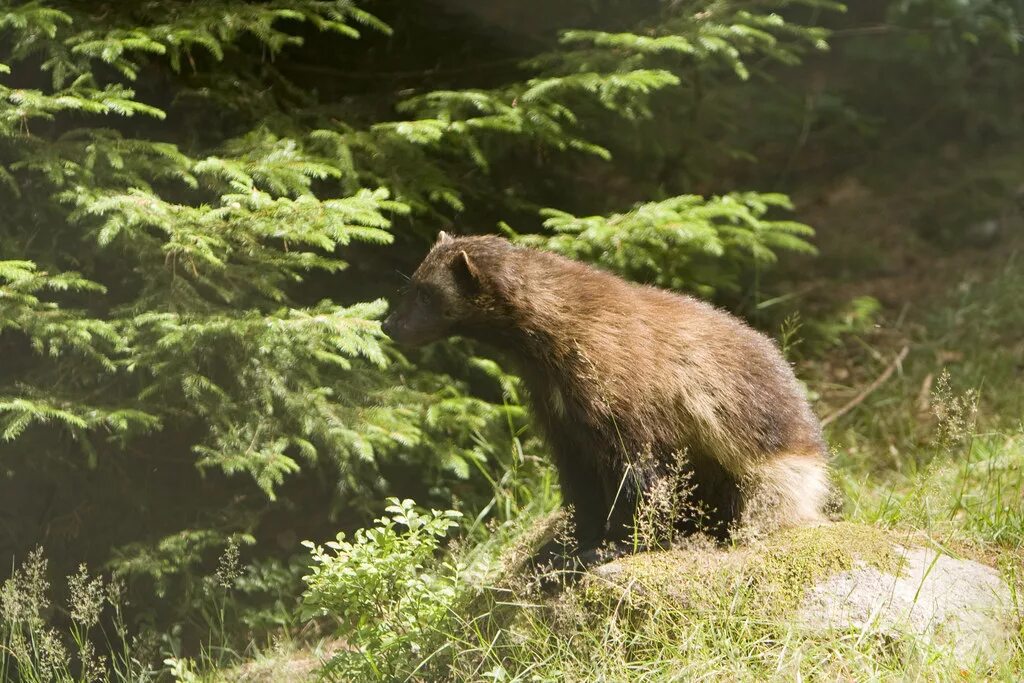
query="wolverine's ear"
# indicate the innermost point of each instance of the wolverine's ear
(466, 272)
(443, 237)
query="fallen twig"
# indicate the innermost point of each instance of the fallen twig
(869, 389)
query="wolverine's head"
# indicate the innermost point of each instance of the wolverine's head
(446, 290)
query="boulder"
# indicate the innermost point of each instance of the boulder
(831, 579)
(957, 605)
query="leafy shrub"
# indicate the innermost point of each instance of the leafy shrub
(385, 589)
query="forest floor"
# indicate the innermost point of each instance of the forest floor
(913, 348)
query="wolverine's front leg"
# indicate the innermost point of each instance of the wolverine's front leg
(584, 496)
(626, 532)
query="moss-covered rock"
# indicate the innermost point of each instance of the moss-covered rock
(772, 573)
(832, 577)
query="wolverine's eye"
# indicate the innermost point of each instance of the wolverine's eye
(423, 297)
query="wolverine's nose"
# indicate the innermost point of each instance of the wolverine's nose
(388, 327)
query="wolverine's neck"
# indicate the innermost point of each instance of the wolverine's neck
(542, 334)
(543, 313)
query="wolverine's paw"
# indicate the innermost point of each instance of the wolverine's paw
(555, 556)
(556, 566)
(605, 553)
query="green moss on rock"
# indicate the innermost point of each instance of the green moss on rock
(792, 561)
(766, 579)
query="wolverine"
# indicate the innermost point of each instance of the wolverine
(629, 383)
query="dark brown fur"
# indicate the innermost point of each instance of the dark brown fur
(625, 380)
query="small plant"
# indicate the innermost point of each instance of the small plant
(956, 414)
(789, 334)
(669, 500)
(29, 649)
(91, 646)
(385, 589)
(86, 602)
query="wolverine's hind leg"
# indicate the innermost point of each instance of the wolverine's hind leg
(784, 491)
